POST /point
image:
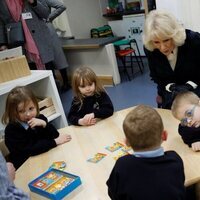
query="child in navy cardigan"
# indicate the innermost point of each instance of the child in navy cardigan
(90, 99)
(27, 132)
(150, 173)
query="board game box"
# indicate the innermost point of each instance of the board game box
(55, 184)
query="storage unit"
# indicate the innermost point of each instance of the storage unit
(43, 85)
(46, 106)
(55, 184)
(13, 68)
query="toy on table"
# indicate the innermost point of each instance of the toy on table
(55, 184)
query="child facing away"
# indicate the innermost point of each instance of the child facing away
(7, 188)
(186, 108)
(90, 99)
(150, 173)
(27, 132)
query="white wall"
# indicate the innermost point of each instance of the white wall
(187, 11)
(86, 14)
(83, 15)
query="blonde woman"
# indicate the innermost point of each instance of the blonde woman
(90, 99)
(173, 54)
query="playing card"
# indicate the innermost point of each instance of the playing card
(58, 165)
(120, 153)
(126, 148)
(114, 147)
(97, 157)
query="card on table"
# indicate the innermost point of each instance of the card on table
(120, 153)
(115, 146)
(97, 157)
(58, 165)
(126, 148)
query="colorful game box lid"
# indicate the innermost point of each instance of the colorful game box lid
(55, 184)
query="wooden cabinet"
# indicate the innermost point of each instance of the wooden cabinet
(43, 85)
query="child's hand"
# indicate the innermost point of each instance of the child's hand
(63, 138)
(3, 47)
(11, 171)
(196, 146)
(89, 117)
(88, 120)
(36, 122)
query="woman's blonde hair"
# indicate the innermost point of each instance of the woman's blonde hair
(163, 25)
(16, 96)
(84, 76)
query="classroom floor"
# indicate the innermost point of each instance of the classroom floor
(140, 90)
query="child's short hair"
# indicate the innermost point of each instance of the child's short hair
(83, 76)
(183, 98)
(16, 96)
(143, 128)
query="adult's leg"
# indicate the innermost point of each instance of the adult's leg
(50, 66)
(64, 76)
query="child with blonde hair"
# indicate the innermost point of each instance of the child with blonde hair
(27, 132)
(90, 99)
(150, 173)
(186, 108)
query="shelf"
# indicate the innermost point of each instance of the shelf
(36, 75)
(126, 12)
(54, 116)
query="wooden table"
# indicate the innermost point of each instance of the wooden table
(87, 141)
(96, 53)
